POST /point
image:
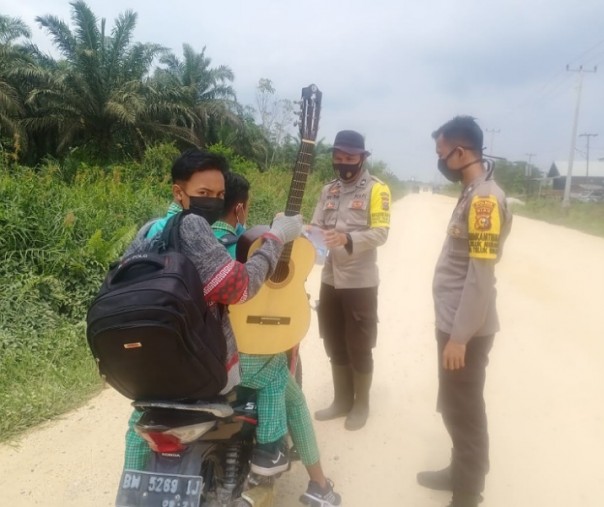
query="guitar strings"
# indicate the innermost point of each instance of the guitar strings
(298, 184)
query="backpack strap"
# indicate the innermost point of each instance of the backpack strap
(169, 238)
(228, 239)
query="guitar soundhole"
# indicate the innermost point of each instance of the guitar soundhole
(281, 272)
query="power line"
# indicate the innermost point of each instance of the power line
(555, 85)
(582, 55)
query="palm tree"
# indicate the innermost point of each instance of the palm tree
(97, 96)
(206, 90)
(13, 57)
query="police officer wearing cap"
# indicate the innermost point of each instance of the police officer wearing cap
(464, 301)
(354, 214)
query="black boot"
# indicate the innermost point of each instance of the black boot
(465, 500)
(357, 417)
(343, 394)
(439, 480)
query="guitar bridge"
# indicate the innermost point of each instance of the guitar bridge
(268, 321)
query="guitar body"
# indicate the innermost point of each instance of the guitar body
(278, 316)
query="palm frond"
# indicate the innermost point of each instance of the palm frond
(12, 28)
(60, 34)
(121, 35)
(86, 29)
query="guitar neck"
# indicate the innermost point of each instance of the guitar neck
(296, 189)
(301, 172)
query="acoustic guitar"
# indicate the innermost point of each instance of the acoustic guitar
(278, 317)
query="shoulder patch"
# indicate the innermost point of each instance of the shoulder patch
(380, 205)
(484, 227)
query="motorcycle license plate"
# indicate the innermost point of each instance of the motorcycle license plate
(150, 489)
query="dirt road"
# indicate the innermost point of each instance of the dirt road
(545, 388)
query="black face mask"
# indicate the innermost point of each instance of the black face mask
(347, 172)
(451, 175)
(210, 208)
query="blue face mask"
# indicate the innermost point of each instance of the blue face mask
(239, 230)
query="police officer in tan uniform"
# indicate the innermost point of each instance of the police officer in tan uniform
(354, 214)
(464, 300)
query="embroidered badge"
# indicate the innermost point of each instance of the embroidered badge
(385, 197)
(484, 227)
(483, 209)
(357, 204)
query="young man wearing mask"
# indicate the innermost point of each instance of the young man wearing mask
(464, 300)
(353, 214)
(198, 185)
(286, 395)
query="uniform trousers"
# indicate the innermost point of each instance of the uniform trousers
(348, 325)
(462, 406)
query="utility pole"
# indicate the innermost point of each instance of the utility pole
(587, 152)
(492, 132)
(528, 171)
(567, 187)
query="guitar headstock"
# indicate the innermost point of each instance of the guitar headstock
(310, 107)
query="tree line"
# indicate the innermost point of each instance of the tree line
(108, 97)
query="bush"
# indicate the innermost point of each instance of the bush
(58, 240)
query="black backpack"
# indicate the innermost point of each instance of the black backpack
(149, 328)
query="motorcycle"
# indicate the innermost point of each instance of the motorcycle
(201, 454)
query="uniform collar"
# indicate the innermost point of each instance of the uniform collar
(474, 183)
(173, 209)
(223, 226)
(361, 182)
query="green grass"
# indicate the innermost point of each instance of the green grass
(38, 383)
(585, 217)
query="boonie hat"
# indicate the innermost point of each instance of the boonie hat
(350, 142)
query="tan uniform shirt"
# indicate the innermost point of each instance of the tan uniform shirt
(464, 279)
(361, 209)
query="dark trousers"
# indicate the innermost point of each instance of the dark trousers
(461, 404)
(348, 325)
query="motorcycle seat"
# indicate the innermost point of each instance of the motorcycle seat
(221, 410)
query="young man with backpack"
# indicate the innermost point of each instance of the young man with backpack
(198, 186)
(255, 368)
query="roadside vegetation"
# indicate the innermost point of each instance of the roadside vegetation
(583, 216)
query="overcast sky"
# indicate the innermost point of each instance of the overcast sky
(395, 70)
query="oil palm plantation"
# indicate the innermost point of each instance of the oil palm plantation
(97, 97)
